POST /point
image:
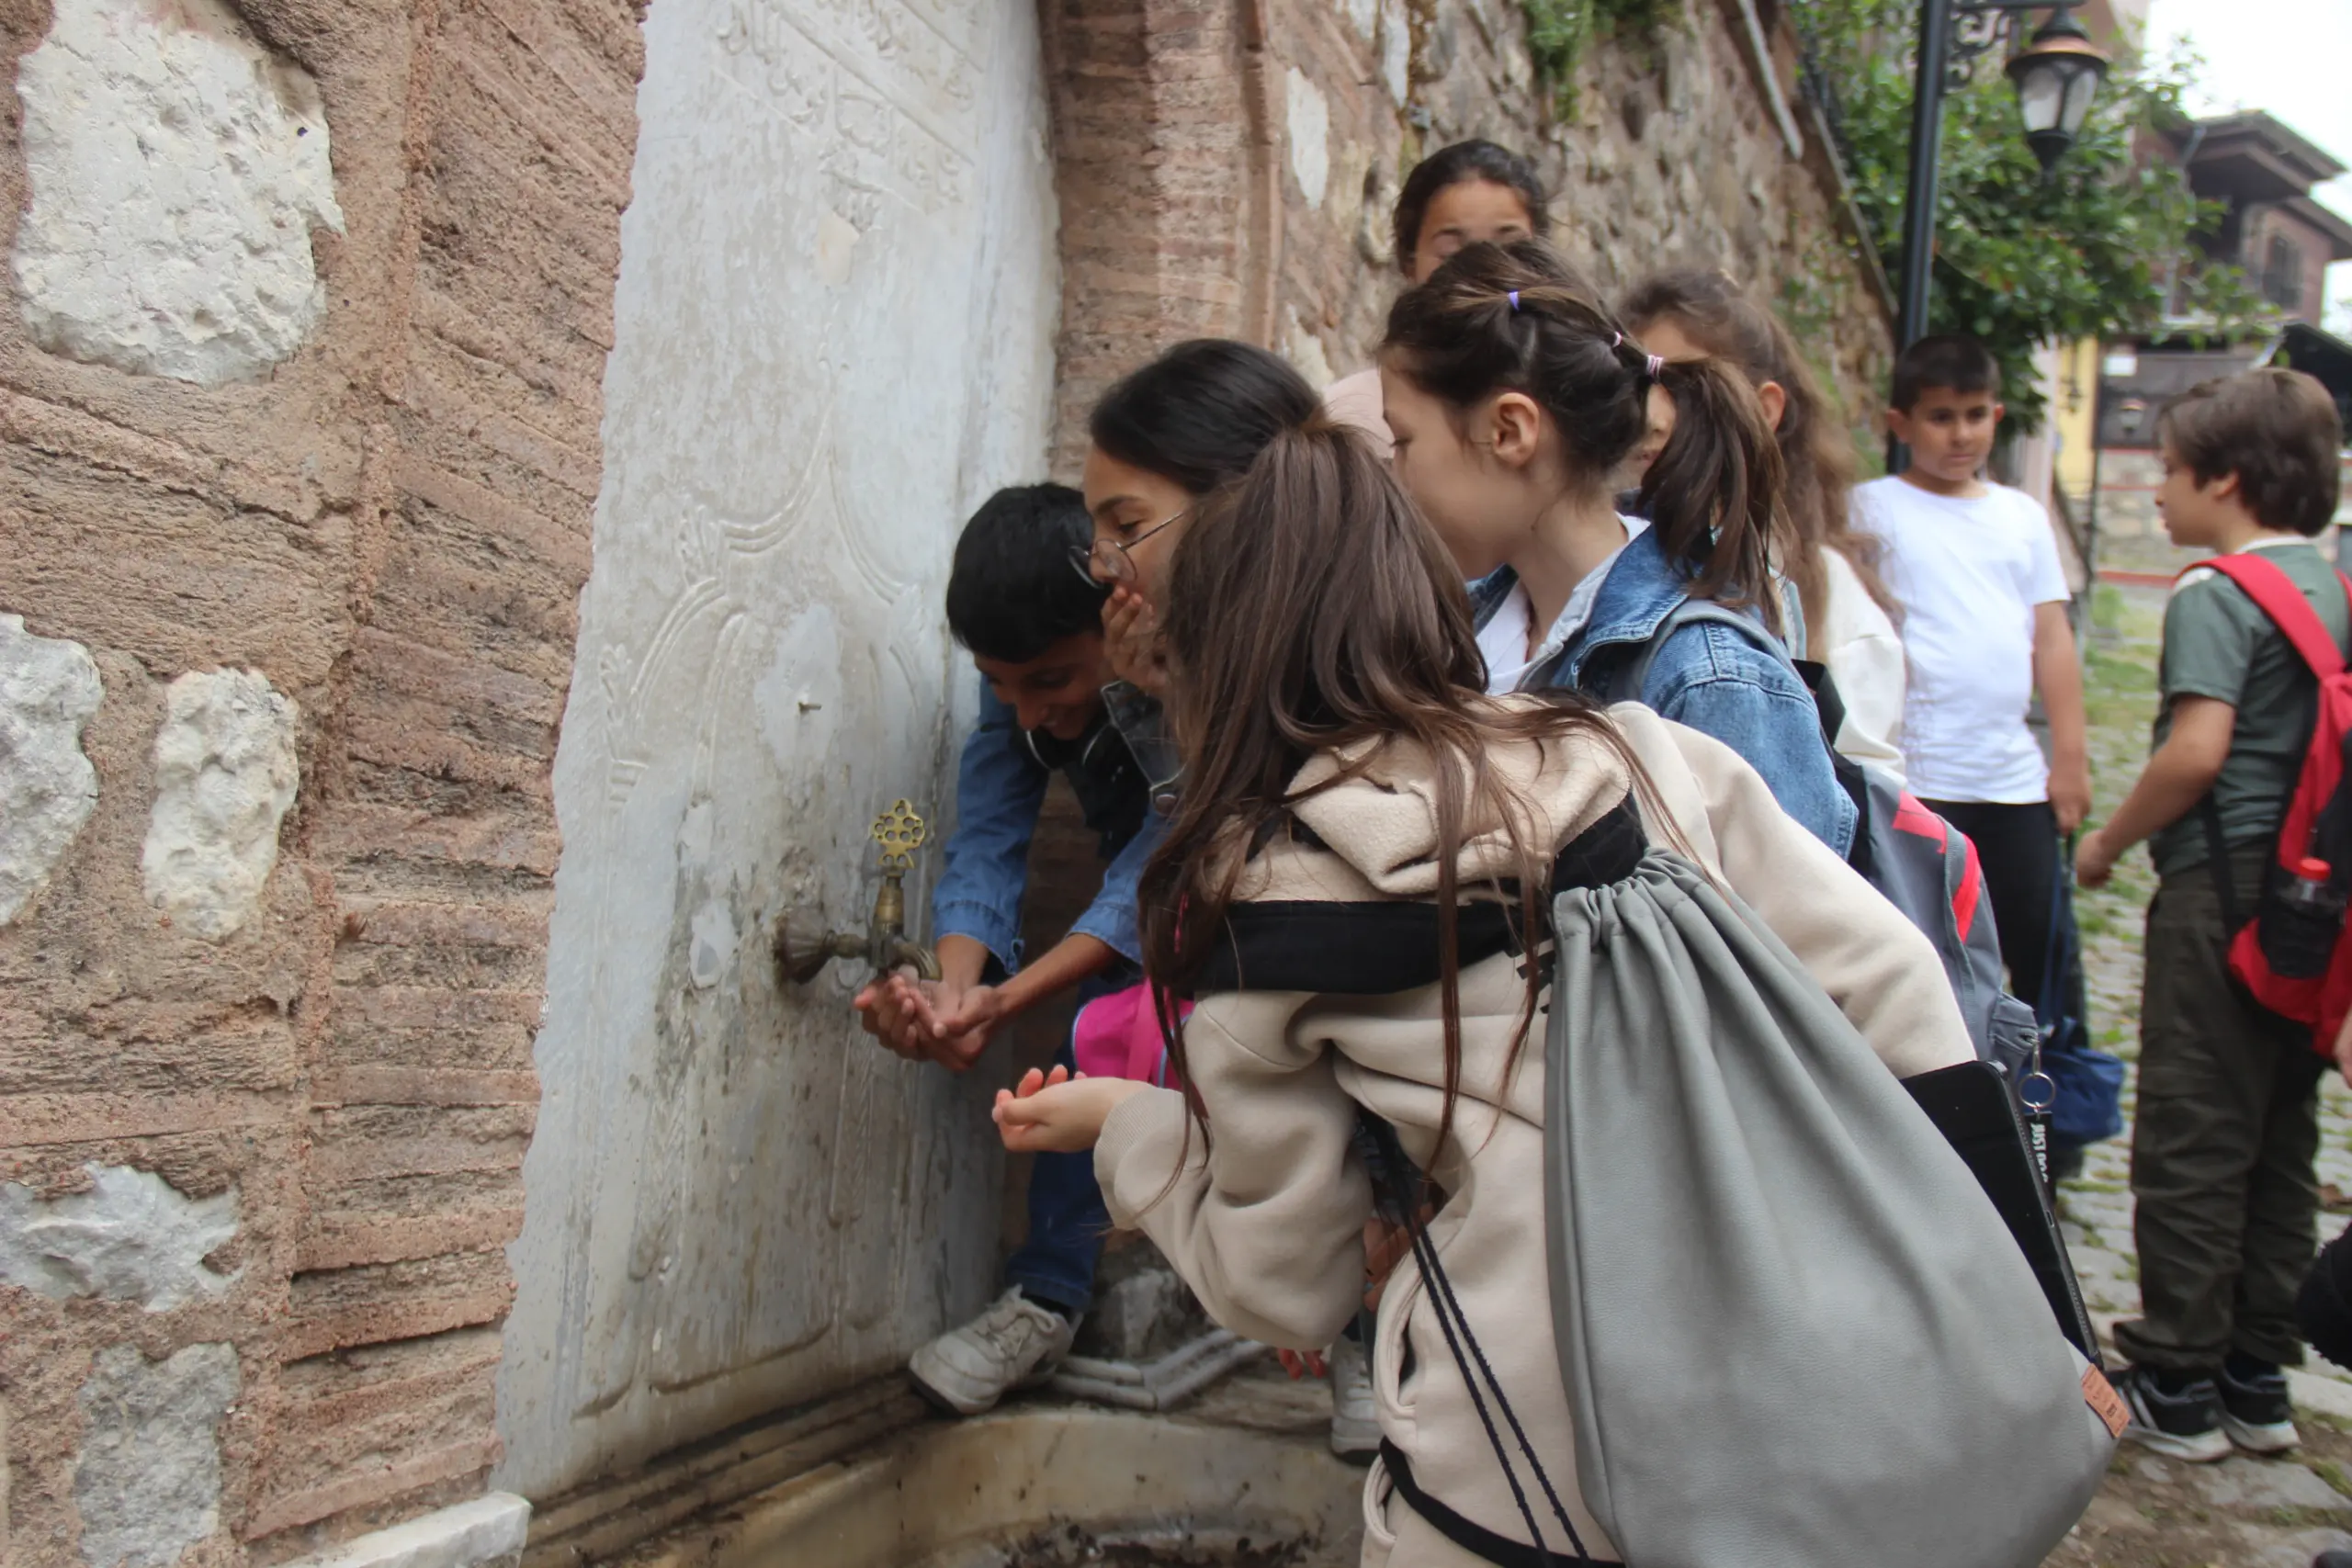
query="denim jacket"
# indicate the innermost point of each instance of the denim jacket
(999, 788)
(1706, 675)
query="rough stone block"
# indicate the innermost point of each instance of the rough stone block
(132, 1236)
(148, 1484)
(1141, 1309)
(1310, 119)
(225, 775)
(487, 1531)
(177, 168)
(1396, 49)
(49, 689)
(2242, 1482)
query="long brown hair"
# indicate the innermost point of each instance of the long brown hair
(1311, 611)
(1519, 318)
(1816, 458)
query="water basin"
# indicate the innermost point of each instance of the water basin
(1055, 1485)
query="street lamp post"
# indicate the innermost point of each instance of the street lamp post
(2057, 74)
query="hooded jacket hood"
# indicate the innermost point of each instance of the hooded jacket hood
(1375, 805)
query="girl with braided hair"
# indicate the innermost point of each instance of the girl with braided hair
(1515, 397)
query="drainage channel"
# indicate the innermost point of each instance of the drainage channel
(1240, 1477)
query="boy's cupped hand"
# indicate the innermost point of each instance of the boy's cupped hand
(1058, 1112)
(930, 1020)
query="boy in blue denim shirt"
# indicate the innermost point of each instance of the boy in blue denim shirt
(1032, 620)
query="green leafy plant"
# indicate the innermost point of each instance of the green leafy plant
(1561, 32)
(1818, 291)
(2103, 246)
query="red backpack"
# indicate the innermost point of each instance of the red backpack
(2293, 955)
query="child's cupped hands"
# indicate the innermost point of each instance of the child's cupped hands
(1058, 1112)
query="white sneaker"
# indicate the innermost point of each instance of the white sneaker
(1015, 1344)
(1355, 1420)
(2257, 1413)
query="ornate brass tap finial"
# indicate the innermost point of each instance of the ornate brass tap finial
(901, 832)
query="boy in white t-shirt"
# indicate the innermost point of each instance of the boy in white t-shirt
(1985, 627)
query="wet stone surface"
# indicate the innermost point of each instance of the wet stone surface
(1070, 1547)
(2245, 1512)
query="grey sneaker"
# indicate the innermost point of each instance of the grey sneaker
(1015, 1344)
(1355, 1421)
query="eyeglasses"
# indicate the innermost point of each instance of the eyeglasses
(1109, 560)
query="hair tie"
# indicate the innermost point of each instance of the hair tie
(1616, 341)
(1513, 298)
(1651, 367)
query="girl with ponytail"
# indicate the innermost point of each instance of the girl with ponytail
(1516, 399)
(1850, 615)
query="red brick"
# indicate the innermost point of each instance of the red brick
(355, 1490)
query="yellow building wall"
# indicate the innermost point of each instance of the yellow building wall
(2074, 414)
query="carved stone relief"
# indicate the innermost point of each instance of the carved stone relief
(833, 338)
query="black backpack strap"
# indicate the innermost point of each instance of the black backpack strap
(1468, 1534)
(1975, 1112)
(1398, 1191)
(1827, 701)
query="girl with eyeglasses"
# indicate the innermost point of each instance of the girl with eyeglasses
(1162, 440)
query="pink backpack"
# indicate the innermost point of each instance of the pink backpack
(1116, 1036)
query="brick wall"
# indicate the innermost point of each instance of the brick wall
(391, 526)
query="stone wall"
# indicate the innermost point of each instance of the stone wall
(300, 391)
(299, 396)
(1179, 129)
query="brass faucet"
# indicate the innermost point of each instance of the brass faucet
(803, 947)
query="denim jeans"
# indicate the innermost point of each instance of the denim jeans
(1067, 1219)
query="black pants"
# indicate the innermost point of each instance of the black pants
(2019, 847)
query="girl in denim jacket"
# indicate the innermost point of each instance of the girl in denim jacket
(1516, 399)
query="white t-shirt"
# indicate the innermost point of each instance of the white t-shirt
(1864, 653)
(1503, 639)
(1970, 573)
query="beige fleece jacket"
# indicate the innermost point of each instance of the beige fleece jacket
(1265, 1221)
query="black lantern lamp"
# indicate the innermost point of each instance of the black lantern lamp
(2057, 74)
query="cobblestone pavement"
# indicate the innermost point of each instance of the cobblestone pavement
(2155, 1512)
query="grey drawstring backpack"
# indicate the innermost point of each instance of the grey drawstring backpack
(1794, 1331)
